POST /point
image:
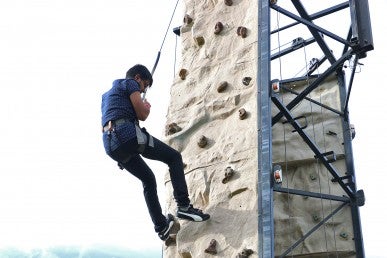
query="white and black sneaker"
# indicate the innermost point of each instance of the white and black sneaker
(190, 213)
(164, 234)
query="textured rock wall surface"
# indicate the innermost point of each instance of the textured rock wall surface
(296, 215)
(213, 101)
(212, 121)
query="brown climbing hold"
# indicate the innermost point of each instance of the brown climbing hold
(228, 175)
(199, 41)
(245, 253)
(236, 192)
(242, 114)
(172, 128)
(246, 80)
(211, 249)
(222, 86)
(273, 1)
(171, 241)
(218, 28)
(242, 31)
(202, 141)
(183, 73)
(228, 2)
(187, 19)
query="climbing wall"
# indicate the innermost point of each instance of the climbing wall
(212, 121)
(296, 215)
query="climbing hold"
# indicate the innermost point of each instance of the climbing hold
(228, 175)
(242, 114)
(199, 41)
(228, 2)
(242, 31)
(312, 177)
(172, 128)
(241, 190)
(316, 217)
(246, 80)
(211, 249)
(344, 235)
(185, 254)
(202, 141)
(187, 19)
(273, 1)
(171, 240)
(245, 253)
(183, 73)
(222, 86)
(218, 28)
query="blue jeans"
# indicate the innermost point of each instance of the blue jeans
(137, 167)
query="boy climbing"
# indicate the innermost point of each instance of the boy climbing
(125, 142)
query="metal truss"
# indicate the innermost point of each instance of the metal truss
(355, 45)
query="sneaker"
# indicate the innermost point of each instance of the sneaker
(190, 213)
(164, 234)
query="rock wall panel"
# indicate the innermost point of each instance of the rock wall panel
(295, 215)
(212, 121)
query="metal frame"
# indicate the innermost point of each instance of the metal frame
(355, 45)
(265, 185)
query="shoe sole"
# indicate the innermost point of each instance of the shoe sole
(167, 232)
(191, 217)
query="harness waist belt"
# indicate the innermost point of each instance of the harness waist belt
(116, 122)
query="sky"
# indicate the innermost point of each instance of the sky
(57, 57)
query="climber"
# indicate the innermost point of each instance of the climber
(125, 142)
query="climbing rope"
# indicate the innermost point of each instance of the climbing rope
(285, 170)
(162, 44)
(315, 140)
(324, 206)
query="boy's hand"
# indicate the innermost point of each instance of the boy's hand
(147, 104)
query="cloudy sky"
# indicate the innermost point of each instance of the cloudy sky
(57, 57)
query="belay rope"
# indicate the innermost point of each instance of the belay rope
(162, 44)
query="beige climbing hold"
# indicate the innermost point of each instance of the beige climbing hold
(222, 86)
(187, 19)
(172, 128)
(202, 141)
(183, 73)
(228, 2)
(242, 114)
(228, 175)
(218, 28)
(211, 249)
(242, 31)
(199, 41)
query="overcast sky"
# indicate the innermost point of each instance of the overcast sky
(57, 57)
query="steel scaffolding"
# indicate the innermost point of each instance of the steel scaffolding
(355, 44)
